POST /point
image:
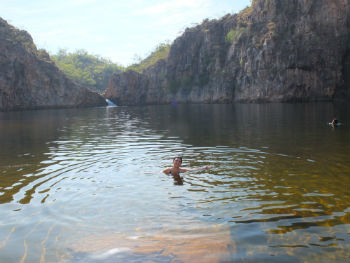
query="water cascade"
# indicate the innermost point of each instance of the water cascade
(110, 103)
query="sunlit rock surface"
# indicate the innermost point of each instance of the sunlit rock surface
(206, 245)
(30, 80)
(275, 50)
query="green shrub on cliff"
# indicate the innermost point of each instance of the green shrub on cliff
(233, 35)
(88, 70)
(160, 52)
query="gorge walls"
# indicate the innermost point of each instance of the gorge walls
(30, 80)
(274, 50)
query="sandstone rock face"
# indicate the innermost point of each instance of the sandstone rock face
(275, 50)
(30, 80)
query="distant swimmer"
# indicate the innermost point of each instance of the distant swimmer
(335, 123)
(176, 170)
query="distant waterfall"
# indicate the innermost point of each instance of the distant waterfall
(110, 103)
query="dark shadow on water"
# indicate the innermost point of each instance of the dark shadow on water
(178, 180)
(26, 139)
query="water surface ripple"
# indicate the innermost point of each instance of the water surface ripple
(85, 185)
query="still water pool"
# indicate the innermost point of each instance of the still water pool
(85, 185)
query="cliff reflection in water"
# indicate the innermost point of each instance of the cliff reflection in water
(85, 185)
(24, 139)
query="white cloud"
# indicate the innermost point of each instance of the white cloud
(164, 8)
(84, 2)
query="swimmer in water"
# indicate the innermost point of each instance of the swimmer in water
(176, 170)
(334, 122)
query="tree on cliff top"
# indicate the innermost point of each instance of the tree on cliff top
(88, 70)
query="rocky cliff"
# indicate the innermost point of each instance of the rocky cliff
(274, 50)
(30, 80)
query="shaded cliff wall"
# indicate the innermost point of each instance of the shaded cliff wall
(275, 50)
(346, 74)
(30, 80)
(299, 56)
(346, 61)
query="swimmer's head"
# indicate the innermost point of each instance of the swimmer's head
(177, 159)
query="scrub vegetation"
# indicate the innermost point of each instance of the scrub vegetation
(160, 52)
(90, 71)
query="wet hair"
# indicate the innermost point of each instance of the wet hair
(178, 157)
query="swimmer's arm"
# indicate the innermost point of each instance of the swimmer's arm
(182, 170)
(166, 171)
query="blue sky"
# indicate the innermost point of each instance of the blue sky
(120, 30)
